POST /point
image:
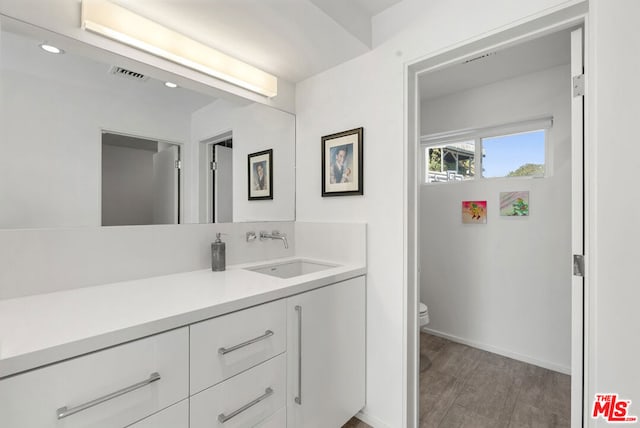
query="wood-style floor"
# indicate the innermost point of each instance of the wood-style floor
(465, 387)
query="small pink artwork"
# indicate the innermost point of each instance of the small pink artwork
(474, 212)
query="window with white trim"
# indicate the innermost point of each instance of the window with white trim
(513, 150)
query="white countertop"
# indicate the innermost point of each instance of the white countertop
(46, 328)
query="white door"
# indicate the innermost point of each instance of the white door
(166, 176)
(326, 355)
(223, 184)
(577, 233)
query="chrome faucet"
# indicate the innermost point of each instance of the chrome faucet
(274, 235)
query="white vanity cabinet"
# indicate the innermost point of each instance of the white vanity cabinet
(114, 387)
(326, 355)
(176, 416)
(296, 362)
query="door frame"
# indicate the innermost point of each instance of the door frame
(533, 28)
(205, 150)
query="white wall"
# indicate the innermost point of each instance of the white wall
(504, 286)
(369, 91)
(254, 128)
(612, 268)
(47, 260)
(340, 242)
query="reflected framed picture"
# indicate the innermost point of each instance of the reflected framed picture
(260, 179)
(341, 163)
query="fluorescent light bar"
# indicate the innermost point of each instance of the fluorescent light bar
(117, 23)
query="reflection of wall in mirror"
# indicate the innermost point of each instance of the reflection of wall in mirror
(127, 186)
(52, 148)
(255, 127)
(53, 174)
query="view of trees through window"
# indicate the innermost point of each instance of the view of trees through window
(514, 155)
(451, 162)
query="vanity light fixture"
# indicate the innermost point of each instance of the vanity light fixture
(170, 85)
(51, 49)
(117, 23)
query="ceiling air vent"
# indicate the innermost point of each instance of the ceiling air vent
(479, 57)
(119, 71)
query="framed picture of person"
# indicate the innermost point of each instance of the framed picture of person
(260, 175)
(342, 163)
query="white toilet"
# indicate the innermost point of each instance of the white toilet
(424, 315)
(425, 361)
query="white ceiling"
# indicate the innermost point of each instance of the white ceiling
(374, 7)
(292, 39)
(518, 60)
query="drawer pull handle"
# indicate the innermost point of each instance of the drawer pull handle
(266, 335)
(298, 399)
(222, 418)
(63, 412)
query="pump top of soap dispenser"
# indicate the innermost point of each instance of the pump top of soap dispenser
(218, 235)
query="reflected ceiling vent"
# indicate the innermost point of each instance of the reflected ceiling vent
(476, 58)
(134, 75)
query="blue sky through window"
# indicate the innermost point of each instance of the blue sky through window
(504, 154)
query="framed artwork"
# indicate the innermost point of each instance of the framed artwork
(260, 178)
(514, 204)
(474, 212)
(341, 163)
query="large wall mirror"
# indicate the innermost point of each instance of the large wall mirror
(89, 138)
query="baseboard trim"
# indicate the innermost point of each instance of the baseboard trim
(371, 420)
(516, 356)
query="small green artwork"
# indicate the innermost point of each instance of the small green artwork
(514, 204)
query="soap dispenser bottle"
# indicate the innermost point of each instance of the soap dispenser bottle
(218, 256)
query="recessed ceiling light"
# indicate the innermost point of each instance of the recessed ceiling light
(51, 49)
(170, 85)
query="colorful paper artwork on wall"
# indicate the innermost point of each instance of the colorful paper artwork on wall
(474, 212)
(514, 204)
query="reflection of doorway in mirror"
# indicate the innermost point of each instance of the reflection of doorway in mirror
(219, 191)
(140, 180)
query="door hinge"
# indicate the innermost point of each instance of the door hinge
(213, 166)
(178, 164)
(578, 265)
(578, 85)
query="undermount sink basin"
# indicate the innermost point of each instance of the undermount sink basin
(292, 268)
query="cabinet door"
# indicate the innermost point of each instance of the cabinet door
(326, 355)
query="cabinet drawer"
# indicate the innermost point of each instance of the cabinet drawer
(237, 398)
(225, 346)
(101, 380)
(277, 420)
(176, 416)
